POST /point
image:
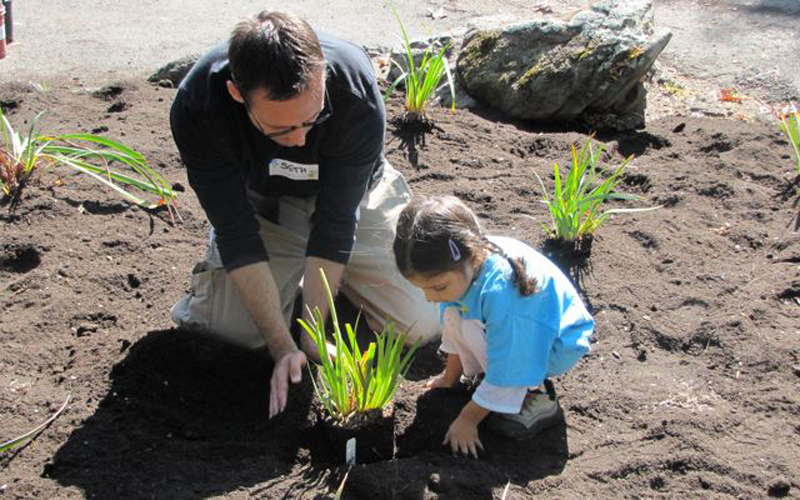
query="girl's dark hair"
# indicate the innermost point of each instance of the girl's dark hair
(439, 234)
(274, 51)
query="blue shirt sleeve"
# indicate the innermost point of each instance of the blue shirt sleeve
(572, 343)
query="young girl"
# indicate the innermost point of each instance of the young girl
(507, 312)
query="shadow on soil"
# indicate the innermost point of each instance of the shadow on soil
(412, 134)
(424, 468)
(184, 418)
(788, 8)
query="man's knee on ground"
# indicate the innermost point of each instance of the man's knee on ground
(425, 329)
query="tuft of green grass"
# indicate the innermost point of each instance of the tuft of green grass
(352, 380)
(422, 80)
(676, 89)
(23, 154)
(790, 126)
(576, 203)
(20, 440)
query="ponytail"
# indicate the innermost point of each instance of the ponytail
(527, 285)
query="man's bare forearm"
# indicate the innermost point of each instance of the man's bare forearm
(260, 294)
(313, 290)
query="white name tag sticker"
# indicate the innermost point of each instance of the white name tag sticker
(294, 171)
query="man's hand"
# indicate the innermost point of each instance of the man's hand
(288, 367)
(309, 347)
(314, 298)
(463, 437)
(259, 292)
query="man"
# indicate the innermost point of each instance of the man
(281, 131)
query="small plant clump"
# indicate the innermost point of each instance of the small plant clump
(31, 434)
(422, 80)
(22, 155)
(790, 126)
(351, 380)
(575, 206)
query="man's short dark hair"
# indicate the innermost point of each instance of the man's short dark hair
(274, 51)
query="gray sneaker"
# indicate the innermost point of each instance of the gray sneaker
(540, 411)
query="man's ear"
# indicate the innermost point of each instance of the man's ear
(233, 90)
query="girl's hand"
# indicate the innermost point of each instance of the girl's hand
(440, 382)
(463, 437)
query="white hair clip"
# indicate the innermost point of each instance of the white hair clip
(454, 250)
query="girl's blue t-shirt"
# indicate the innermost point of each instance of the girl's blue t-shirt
(528, 338)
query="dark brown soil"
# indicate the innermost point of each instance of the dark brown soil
(691, 390)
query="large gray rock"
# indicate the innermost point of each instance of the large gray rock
(175, 71)
(588, 68)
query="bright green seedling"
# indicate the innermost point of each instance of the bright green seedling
(20, 440)
(422, 80)
(790, 126)
(575, 207)
(351, 380)
(21, 155)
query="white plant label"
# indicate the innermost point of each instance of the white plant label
(350, 452)
(293, 170)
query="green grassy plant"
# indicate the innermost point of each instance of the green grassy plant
(351, 380)
(790, 126)
(575, 207)
(422, 79)
(21, 155)
(20, 440)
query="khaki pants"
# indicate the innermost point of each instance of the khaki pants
(370, 280)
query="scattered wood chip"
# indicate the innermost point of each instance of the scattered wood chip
(437, 14)
(729, 95)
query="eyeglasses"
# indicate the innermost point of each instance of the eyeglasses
(322, 117)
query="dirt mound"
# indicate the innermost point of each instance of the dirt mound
(690, 390)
